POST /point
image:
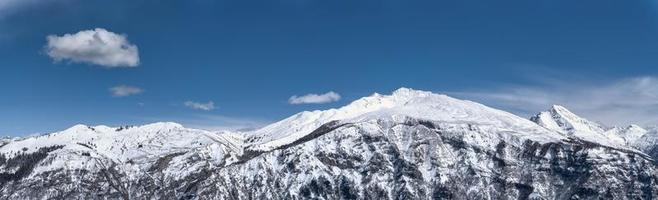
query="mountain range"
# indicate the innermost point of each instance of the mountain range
(407, 145)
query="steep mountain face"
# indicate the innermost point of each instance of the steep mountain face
(561, 120)
(648, 143)
(632, 137)
(408, 145)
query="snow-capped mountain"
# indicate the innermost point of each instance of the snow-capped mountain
(647, 142)
(407, 145)
(403, 103)
(561, 120)
(630, 134)
(632, 137)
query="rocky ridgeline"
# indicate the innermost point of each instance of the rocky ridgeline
(408, 145)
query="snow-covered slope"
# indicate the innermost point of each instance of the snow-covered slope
(118, 143)
(630, 134)
(407, 145)
(402, 103)
(560, 119)
(134, 147)
(647, 142)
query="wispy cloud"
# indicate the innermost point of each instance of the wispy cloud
(216, 122)
(200, 106)
(98, 46)
(7, 5)
(315, 98)
(125, 90)
(220, 122)
(620, 102)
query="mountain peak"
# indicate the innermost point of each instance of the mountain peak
(564, 112)
(162, 125)
(630, 134)
(402, 103)
(635, 127)
(559, 118)
(398, 97)
(103, 128)
(557, 107)
(78, 128)
(408, 92)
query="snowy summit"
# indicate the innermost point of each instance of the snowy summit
(412, 144)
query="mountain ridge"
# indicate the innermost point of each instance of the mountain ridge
(402, 102)
(407, 145)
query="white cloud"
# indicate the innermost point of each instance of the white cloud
(98, 46)
(200, 106)
(621, 102)
(125, 90)
(315, 98)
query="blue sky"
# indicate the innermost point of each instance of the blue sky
(248, 58)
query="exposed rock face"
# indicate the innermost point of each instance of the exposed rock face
(391, 153)
(413, 160)
(648, 143)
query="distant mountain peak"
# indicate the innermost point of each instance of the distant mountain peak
(559, 118)
(635, 127)
(630, 133)
(560, 108)
(78, 127)
(409, 92)
(163, 125)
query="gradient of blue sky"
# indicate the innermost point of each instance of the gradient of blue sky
(249, 57)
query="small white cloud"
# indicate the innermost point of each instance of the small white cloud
(315, 98)
(200, 106)
(98, 46)
(125, 90)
